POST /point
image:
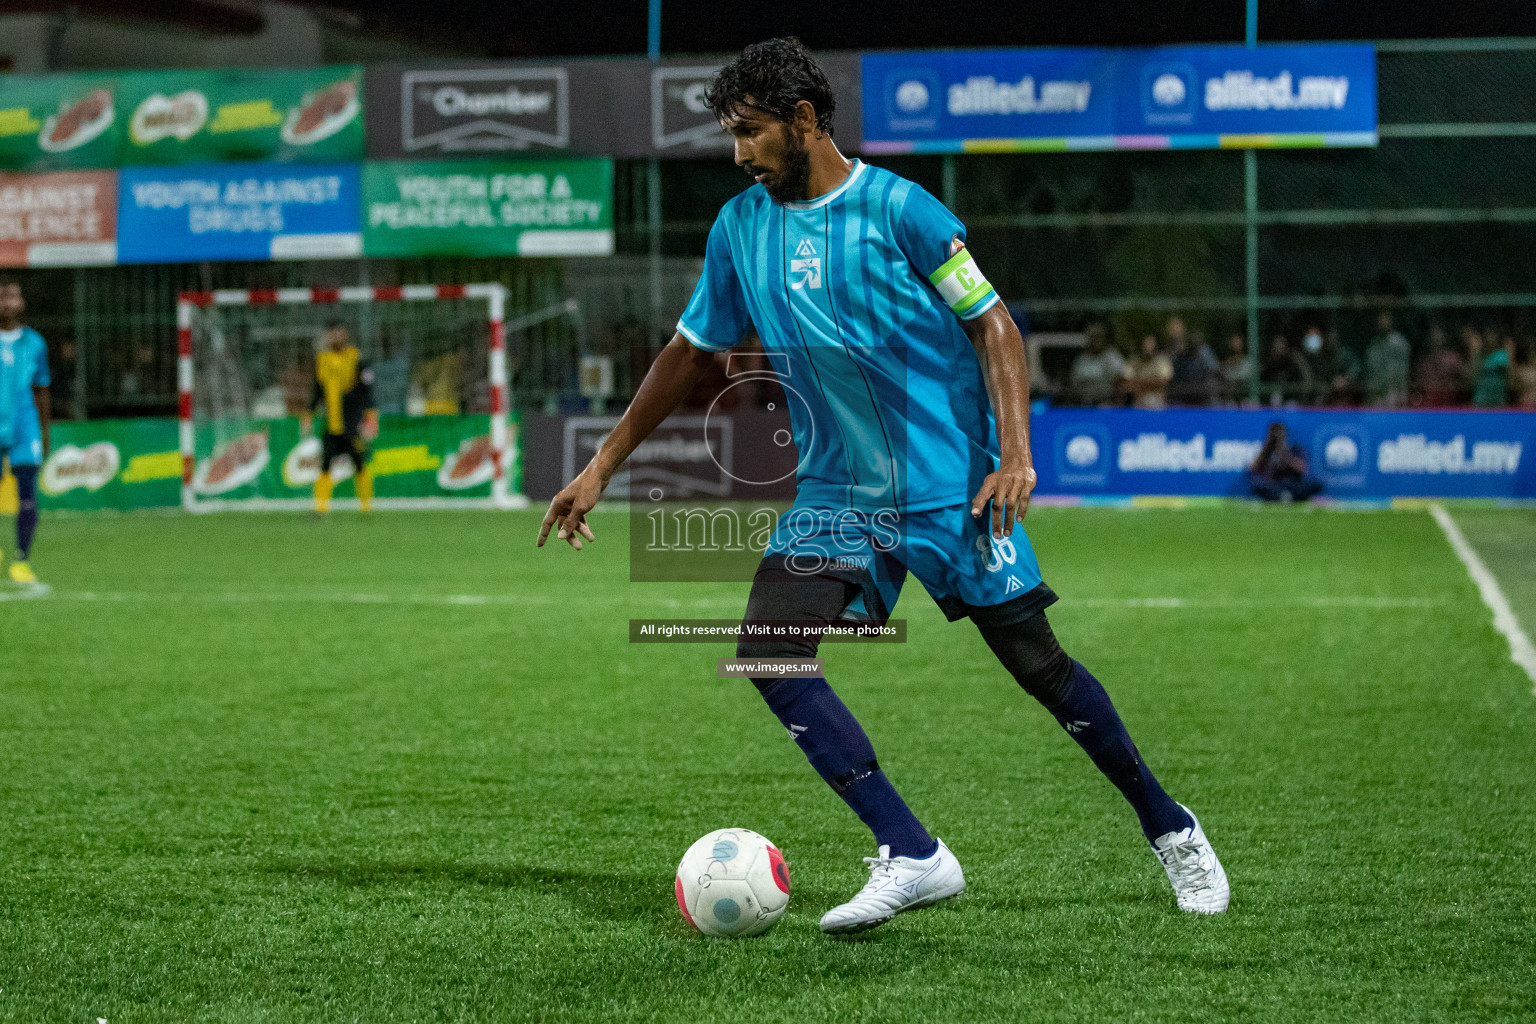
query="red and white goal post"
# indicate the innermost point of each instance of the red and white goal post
(245, 371)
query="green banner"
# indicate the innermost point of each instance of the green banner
(310, 116)
(127, 464)
(112, 464)
(530, 207)
(55, 122)
(413, 457)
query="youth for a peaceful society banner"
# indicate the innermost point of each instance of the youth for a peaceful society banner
(238, 212)
(561, 207)
(63, 219)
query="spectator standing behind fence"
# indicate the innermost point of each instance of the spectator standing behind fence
(1193, 364)
(1335, 372)
(1522, 376)
(1235, 374)
(1490, 386)
(1146, 380)
(1279, 473)
(1098, 371)
(391, 376)
(1386, 365)
(1442, 372)
(1285, 376)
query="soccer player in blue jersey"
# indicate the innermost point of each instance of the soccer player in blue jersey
(24, 415)
(909, 401)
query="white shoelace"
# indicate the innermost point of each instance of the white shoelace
(1186, 859)
(881, 869)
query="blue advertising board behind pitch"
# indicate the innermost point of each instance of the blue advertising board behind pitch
(1357, 454)
(239, 212)
(1183, 97)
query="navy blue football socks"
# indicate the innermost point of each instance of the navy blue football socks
(26, 511)
(837, 748)
(1089, 717)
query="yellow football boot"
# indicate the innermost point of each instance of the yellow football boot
(22, 574)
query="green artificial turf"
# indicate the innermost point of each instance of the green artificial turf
(266, 769)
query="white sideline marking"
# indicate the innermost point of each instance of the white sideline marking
(1521, 652)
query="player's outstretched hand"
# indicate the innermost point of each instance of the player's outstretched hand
(569, 509)
(1008, 490)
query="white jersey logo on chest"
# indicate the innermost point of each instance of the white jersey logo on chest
(806, 267)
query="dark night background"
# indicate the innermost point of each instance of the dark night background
(523, 28)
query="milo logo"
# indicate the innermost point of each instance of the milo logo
(162, 117)
(91, 467)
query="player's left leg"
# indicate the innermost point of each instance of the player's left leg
(996, 583)
(26, 523)
(1079, 703)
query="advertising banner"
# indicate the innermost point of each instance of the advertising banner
(413, 457)
(618, 107)
(50, 122)
(1193, 97)
(136, 463)
(1356, 454)
(63, 219)
(119, 464)
(239, 212)
(561, 207)
(311, 116)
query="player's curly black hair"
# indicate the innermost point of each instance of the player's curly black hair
(776, 74)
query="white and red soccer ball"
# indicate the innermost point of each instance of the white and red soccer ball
(732, 883)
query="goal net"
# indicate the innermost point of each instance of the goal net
(436, 356)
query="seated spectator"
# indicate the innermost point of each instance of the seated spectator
(1441, 374)
(1522, 376)
(1279, 473)
(1335, 372)
(1490, 388)
(1146, 379)
(1285, 376)
(1235, 374)
(1386, 365)
(1194, 366)
(1098, 370)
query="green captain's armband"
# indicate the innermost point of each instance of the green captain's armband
(963, 287)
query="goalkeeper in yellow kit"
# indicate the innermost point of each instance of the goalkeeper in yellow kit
(344, 394)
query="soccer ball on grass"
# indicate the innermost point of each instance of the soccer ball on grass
(732, 883)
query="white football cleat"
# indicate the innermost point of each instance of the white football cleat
(897, 884)
(1199, 881)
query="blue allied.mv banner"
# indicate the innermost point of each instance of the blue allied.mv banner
(1187, 97)
(1356, 454)
(239, 212)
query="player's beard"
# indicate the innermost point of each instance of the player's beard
(791, 182)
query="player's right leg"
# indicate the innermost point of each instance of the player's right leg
(332, 446)
(911, 868)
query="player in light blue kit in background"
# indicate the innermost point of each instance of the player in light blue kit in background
(908, 391)
(24, 414)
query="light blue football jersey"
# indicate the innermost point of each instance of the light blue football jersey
(886, 398)
(23, 366)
